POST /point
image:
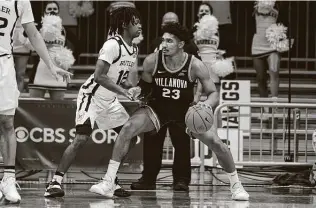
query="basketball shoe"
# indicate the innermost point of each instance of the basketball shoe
(54, 189)
(106, 187)
(8, 189)
(238, 192)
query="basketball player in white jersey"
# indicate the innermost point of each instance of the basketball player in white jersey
(12, 13)
(97, 101)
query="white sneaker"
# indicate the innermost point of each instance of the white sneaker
(106, 187)
(8, 188)
(238, 192)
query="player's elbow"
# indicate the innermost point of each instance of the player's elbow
(97, 78)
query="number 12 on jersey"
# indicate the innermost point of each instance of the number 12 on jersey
(175, 93)
(122, 76)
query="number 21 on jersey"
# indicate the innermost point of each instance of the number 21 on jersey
(174, 94)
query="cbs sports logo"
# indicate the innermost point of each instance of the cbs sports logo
(60, 135)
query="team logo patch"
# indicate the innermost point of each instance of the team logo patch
(80, 116)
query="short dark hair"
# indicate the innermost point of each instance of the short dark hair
(176, 29)
(120, 16)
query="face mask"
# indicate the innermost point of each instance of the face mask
(52, 13)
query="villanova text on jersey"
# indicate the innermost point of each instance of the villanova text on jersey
(171, 82)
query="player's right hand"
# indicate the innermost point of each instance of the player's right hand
(59, 72)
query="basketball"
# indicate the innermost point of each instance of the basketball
(199, 119)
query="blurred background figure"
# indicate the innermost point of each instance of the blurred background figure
(265, 57)
(21, 53)
(221, 10)
(55, 41)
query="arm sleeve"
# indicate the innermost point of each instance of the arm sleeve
(25, 11)
(110, 51)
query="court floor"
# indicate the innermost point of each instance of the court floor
(77, 196)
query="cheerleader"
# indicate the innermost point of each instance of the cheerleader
(264, 56)
(206, 38)
(54, 36)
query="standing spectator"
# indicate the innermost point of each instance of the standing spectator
(153, 144)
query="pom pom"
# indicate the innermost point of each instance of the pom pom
(81, 8)
(264, 6)
(74, 9)
(139, 39)
(206, 28)
(87, 9)
(62, 57)
(276, 35)
(51, 27)
(223, 67)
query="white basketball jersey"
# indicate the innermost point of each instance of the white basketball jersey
(118, 72)
(10, 12)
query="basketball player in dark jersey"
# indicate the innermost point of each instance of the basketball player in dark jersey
(169, 76)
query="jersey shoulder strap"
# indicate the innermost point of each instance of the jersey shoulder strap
(120, 42)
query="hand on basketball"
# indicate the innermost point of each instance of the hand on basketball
(205, 105)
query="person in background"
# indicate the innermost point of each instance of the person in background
(22, 49)
(265, 58)
(221, 10)
(43, 80)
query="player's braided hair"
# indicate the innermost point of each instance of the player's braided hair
(177, 30)
(120, 16)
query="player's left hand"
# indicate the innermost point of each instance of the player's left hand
(204, 104)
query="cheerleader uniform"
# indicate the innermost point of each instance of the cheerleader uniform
(260, 45)
(43, 79)
(208, 52)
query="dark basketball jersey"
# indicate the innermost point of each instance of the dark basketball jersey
(173, 90)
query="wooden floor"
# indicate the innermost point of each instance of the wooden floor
(199, 196)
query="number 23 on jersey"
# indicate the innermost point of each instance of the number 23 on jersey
(171, 93)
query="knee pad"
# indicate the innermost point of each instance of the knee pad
(84, 129)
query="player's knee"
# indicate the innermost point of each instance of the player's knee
(130, 129)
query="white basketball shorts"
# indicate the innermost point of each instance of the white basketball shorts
(107, 114)
(9, 93)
